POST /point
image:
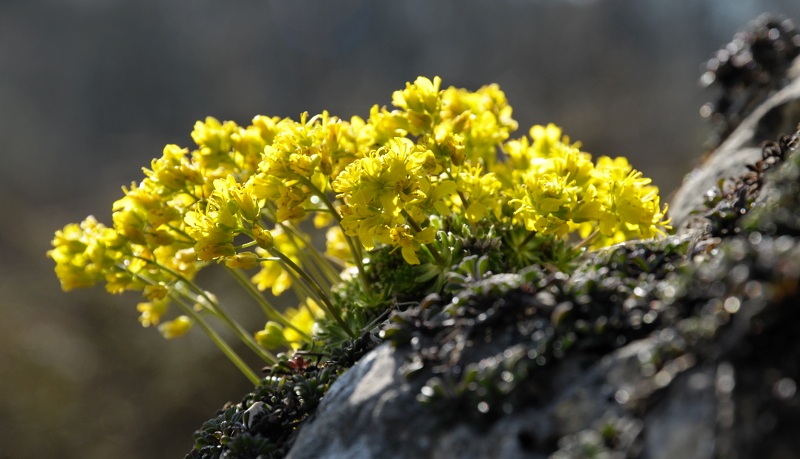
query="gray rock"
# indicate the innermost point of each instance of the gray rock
(780, 114)
(372, 412)
(684, 424)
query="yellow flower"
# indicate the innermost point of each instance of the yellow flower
(336, 246)
(399, 175)
(72, 277)
(433, 196)
(304, 318)
(247, 204)
(213, 240)
(155, 291)
(214, 142)
(633, 207)
(381, 126)
(248, 143)
(545, 203)
(545, 138)
(152, 311)
(266, 127)
(481, 191)
(422, 96)
(409, 242)
(215, 228)
(482, 117)
(569, 162)
(183, 261)
(364, 221)
(175, 328)
(85, 254)
(380, 186)
(272, 275)
(130, 225)
(172, 170)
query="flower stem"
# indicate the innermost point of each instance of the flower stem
(245, 245)
(354, 250)
(305, 254)
(588, 239)
(527, 239)
(268, 309)
(217, 310)
(320, 293)
(221, 344)
(323, 263)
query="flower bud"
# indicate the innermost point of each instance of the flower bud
(462, 122)
(243, 260)
(158, 237)
(325, 166)
(420, 122)
(271, 336)
(247, 206)
(262, 237)
(175, 328)
(152, 312)
(155, 291)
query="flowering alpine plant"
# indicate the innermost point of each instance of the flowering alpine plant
(403, 196)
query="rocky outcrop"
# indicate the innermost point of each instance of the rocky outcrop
(780, 114)
(681, 348)
(756, 79)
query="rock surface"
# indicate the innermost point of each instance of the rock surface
(779, 115)
(372, 413)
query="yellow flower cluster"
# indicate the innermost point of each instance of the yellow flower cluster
(393, 194)
(391, 179)
(557, 189)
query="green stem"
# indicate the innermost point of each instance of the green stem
(299, 287)
(324, 265)
(588, 239)
(354, 250)
(268, 309)
(246, 245)
(332, 276)
(221, 344)
(320, 293)
(527, 239)
(182, 232)
(217, 310)
(312, 269)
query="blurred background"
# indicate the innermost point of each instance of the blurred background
(92, 90)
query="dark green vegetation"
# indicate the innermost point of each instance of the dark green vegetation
(261, 425)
